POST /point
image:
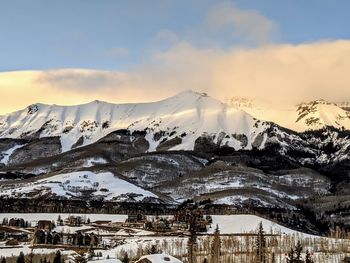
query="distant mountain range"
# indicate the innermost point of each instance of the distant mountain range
(304, 116)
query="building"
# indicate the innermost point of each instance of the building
(45, 225)
(192, 218)
(136, 218)
(17, 222)
(74, 221)
(7, 233)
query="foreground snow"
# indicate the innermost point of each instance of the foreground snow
(114, 260)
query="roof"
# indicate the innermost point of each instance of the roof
(106, 261)
(158, 258)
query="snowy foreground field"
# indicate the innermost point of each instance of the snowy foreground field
(235, 246)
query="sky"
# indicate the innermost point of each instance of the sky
(70, 52)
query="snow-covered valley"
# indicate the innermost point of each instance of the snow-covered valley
(235, 231)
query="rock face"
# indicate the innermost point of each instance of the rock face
(168, 144)
(36, 149)
(205, 144)
(8, 143)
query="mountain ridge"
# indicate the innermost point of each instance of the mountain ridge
(189, 113)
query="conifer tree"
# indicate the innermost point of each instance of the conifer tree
(125, 258)
(21, 258)
(58, 257)
(290, 258)
(192, 248)
(260, 245)
(216, 247)
(308, 258)
(153, 250)
(273, 257)
(192, 242)
(298, 250)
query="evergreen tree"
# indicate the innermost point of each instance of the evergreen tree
(298, 250)
(3, 260)
(58, 257)
(21, 258)
(153, 250)
(291, 257)
(31, 256)
(294, 256)
(192, 242)
(260, 245)
(125, 258)
(192, 248)
(273, 257)
(5, 221)
(308, 258)
(216, 247)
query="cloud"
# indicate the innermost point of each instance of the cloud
(224, 25)
(81, 79)
(282, 74)
(248, 24)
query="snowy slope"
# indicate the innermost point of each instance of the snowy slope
(320, 113)
(189, 114)
(80, 184)
(312, 115)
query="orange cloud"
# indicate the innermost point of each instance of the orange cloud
(279, 73)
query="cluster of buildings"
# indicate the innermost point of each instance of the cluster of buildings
(183, 220)
(18, 230)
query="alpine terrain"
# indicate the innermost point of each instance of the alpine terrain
(101, 156)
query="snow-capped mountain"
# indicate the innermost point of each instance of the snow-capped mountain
(320, 113)
(133, 153)
(178, 120)
(313, 115)
(187, 121)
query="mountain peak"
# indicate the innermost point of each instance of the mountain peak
(313, 103)
(190, 92)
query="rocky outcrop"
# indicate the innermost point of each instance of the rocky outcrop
(164, 146)
(40, 148)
